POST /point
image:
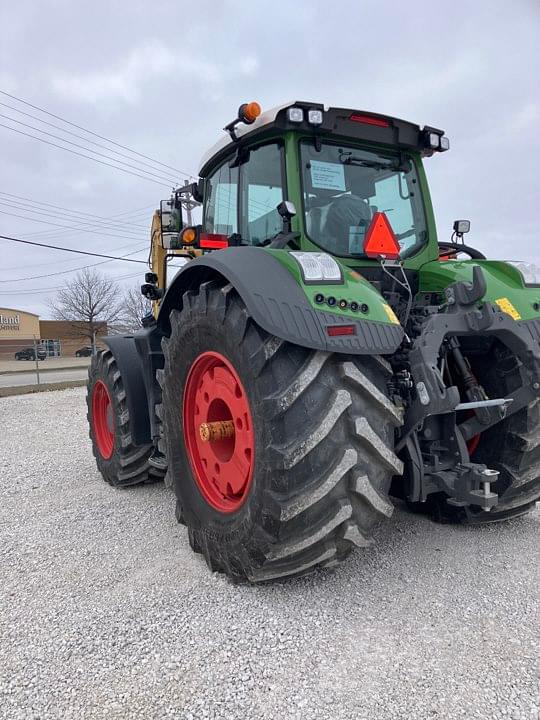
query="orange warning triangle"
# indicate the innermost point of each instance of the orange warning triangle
(380, 239)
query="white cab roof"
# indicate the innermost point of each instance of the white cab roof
(242, 129)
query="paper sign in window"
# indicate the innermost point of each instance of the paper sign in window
(328, 176)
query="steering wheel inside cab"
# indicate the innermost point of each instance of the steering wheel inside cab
(451, 250)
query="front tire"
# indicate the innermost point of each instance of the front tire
(120, 462)
(513, 445)
(316, 479)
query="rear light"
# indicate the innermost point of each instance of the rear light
(369, 120)
(213, 241)
(189, 236)
(338, 330)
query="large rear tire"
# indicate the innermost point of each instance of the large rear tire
(120, 462)
(307, 474)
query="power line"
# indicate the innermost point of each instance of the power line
(80, 137)
(161, 176)
(69, 227)
(72, 250)
(108, 220)
(61, 262)
(94, 225)
(137, 211)
(74, 152)
(54, 234)
(89, 225)
(59, 287)
(66, 272)
(90, 132)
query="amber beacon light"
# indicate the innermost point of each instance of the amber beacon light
(249, 112)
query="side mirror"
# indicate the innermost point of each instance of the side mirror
(461, 227)
(170, 213)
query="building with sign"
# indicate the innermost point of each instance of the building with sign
(20, 329)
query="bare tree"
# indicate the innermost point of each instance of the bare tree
(135, 307)
(90, 302)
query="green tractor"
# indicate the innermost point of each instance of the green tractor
(319, 352)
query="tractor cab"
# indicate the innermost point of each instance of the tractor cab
(336, 168)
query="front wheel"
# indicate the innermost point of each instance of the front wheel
(281, 457)
(120, 462)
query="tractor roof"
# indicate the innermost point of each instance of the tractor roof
(339, 122)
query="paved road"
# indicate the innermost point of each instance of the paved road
(106, 613)
(49, 376)
(48, 364)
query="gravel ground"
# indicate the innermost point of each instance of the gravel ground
(106, 612)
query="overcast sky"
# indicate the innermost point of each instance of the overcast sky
(163, 77)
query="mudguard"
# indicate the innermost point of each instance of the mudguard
(131, 369)
(279, 304)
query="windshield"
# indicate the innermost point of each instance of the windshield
(344, 187)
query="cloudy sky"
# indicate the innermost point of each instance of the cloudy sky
(162, 78)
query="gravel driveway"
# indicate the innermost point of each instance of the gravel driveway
(106, 613)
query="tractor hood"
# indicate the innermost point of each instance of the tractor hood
(505, 285)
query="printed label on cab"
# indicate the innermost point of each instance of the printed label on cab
(507, 307)
(328, 176)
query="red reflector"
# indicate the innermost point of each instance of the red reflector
(370, 120)
(213, 241)
(334, 330)
(380, 239)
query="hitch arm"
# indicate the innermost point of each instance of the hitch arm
(514, 402)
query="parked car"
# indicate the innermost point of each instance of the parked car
(30, 354)
(85, 351)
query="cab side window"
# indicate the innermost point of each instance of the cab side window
(261, 190)
(221, 209)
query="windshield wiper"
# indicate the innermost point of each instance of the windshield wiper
(347, 158)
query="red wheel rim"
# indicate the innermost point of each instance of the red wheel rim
(222, 466)
(103, 420)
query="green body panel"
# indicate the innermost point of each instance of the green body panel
(354, 288)
(504, 282)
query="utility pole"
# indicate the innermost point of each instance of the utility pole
(188, 203)
(36, 358)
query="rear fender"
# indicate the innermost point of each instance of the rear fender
(130, 367)
(282, 305)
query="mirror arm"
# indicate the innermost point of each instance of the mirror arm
(282, 239)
